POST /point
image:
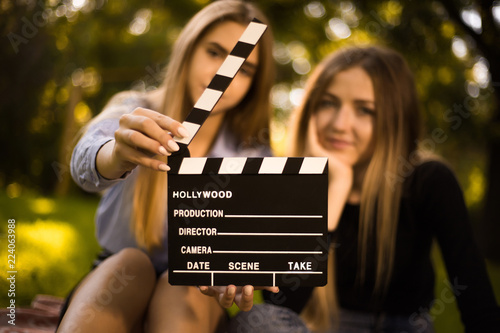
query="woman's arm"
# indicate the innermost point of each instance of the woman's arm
(340, 177)
(447, 213)
(83, 160)
(119, 139)
(141, 135)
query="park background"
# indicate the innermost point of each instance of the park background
(62, 60)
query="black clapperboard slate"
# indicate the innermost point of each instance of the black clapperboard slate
(238, 220)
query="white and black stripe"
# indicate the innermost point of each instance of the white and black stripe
(252, 166)
(222, 79)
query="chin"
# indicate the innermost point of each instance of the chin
(219, 109)
(216, 112)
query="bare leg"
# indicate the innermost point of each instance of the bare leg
(113, 297)
(182, 309)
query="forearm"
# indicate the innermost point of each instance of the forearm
(106, 166)
(84, 157)
(94, 166)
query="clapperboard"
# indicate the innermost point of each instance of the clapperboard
(238, 220)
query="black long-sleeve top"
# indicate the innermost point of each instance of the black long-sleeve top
(432, 206)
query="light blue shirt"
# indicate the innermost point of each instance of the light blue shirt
(113, 213)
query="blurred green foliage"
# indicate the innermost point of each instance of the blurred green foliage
(61, 60)
(55, 244)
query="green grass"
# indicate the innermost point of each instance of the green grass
(55, 246)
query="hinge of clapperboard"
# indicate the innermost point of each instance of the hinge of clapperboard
(216, 88)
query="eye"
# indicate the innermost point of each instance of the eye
(213, 52)
(247, 71)
(327, 104)
(366, 111)
(244, 72)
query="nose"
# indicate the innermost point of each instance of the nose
(208, 72)
(209, 75)
(341, 119)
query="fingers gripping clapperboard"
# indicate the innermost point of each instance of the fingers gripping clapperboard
(238, 220)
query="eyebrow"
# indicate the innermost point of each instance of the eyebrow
(364, 101)
(219, 47)
(252, 65)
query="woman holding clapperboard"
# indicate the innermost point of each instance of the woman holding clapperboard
(387, 202)
(124, 150)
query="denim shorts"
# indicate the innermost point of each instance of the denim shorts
(268, 318)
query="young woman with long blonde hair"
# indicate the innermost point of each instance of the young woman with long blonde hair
(125, 150)
(388, 201)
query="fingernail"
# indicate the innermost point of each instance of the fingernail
(183, 132)
(230, 291)
(248, 291)
(276, 290)
(164, 167)
(163, 151)
(203, 288)
(173, 145)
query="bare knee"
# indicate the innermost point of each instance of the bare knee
(133, 263)
(182, 309)
(115, 295)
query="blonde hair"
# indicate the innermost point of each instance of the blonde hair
(396, 129)
(247, 121)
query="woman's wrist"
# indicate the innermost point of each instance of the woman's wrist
(106, 165)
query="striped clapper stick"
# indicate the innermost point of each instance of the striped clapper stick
(221, 80)
(259, 221)
(239, 220)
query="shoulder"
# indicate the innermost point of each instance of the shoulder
(121, 103)
(432, 181)
(433, 171)
(128, 98)
(228, 145)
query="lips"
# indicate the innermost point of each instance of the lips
(338, 143)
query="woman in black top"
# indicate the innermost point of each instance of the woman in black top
(387, 202)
